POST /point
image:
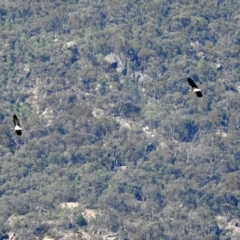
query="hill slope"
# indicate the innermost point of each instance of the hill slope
(111, 134)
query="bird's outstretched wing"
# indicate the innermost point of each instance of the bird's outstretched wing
(192, 83)
(199, 94)
(16, 121)
(19, 132)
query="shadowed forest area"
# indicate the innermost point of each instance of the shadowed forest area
(114, 146)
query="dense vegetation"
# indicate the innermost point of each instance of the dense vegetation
(150, 159)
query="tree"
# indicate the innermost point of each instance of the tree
(81, 221)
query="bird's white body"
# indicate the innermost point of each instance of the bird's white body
(17, 128)
(196, 90)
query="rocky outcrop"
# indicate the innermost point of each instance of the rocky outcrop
(27, 70)
(115, 62)
(11, 236)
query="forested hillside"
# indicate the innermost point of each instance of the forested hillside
(114, 145)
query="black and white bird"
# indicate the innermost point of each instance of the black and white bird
(194, 87)
(17, 125)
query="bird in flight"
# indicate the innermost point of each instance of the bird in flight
(194, 87)
(17, 125)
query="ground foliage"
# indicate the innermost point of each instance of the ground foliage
(84, 121)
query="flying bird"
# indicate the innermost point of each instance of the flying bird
(17, 125)
(194, 87)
